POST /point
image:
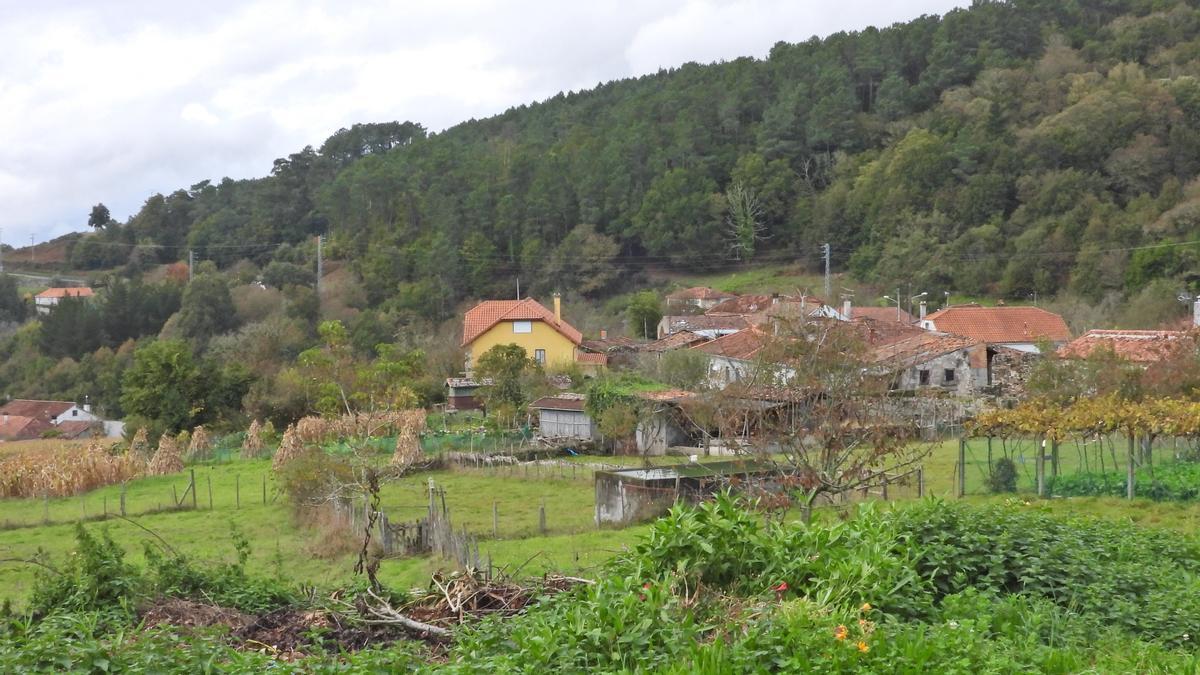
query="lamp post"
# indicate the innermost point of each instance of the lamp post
(910, 300)
(897, 301)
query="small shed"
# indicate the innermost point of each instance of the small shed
(563, 416)
(461, 393)
(630, 495)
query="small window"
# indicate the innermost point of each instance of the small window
(539, 355)
(74, 413)
(923, 376)
(948, 375)
(522, 326)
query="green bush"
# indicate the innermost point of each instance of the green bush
(1003, 477)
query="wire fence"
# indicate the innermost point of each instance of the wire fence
(1159, 468)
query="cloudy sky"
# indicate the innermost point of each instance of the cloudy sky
(112, 101)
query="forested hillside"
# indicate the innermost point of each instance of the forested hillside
(1010, 148)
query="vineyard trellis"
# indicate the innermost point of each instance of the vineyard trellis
(1101, 446)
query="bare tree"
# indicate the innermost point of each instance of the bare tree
(814, 407)
(744, 222)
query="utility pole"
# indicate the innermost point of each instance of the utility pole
(191, 264)
(32, 252)
(825, 250)
(1, 251)
(320, 261)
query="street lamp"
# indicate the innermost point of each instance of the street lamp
(910, 300)
(897, 301)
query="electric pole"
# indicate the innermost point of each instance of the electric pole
(191, 264)
(1, 251)
(320, 261)
(828, 286)
(32, 252)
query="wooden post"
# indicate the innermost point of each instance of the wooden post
(1054, 458)
(495, 520)
(237, 489)
(264, 489)
(210, 499)
(194, 498)
(962, 467)
(542, 517)
(885, 486)
(1040, 466)
(46, 508)
(920, 481)
(1129, 476)
(174, 495)
(124, 486)
(105, 502)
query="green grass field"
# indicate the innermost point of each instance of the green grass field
(302, 553)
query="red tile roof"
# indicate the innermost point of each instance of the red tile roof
(591, 359)
(743, 345)
(80, 292)
(480, 318)
(43, 410)
(881, 314)
(73, 429)
(744, 304)
(706, 322)
(919, 348)
(700, 293)
(21, 428)
(1001, 324)
(876, 333)
(680, 340)
(1139, 346)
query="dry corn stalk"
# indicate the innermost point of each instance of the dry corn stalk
(290, 447)
(168, 458)
(253, 446)
(67, 471)
(140, 445)
(408, 444)
(201, 443)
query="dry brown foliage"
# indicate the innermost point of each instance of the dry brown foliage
(69, 471)
(408, 443)
(201, 443)
(140, 445)
(253, 446)
(290, 447)
(168, 458)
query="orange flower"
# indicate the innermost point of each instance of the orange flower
(863, 647)
(866, 607)
(841, 632)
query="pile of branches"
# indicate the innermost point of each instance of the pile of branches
(458, 597)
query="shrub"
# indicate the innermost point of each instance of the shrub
(1003, 477)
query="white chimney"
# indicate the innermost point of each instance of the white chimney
(1196, 312)
(923, 310)
(846, 308)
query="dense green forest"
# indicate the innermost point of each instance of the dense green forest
(1031, 146)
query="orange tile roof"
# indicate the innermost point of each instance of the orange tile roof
(700, 293)
(684, 338)
(1139, 346)
(20, 427)
(745, 304)
(480, 318)
(743, 345)
(43, 410)
(698, 322)
(592, 359)
(919, 348)
(81, 292)
(1001, 324)
(881, 314)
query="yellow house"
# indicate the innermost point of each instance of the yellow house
(544, 335)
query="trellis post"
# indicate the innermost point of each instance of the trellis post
(1040, 465)
(1129, 475)
(962, 466)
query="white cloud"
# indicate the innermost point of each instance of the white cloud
(112, 104)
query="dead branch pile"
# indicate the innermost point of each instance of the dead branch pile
(66, 471)
(290, 447)
(458, 597)
(140, 445)
(201, 444)
(167, 459)
(253, 446)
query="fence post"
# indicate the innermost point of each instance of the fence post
(46, 507)
(1040, 466)
(237, 490)
(885, 485)
(920, 481)
(495, 520)
(1129, 489)
(264, 489)
(542, 516)
(105, 507)
(962, 466)
(210, 499)
(175, 496)
(193, 472)
(124, 486)
(1054, 458)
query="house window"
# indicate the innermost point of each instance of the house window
(948, 376)
(522, 326)
(74, 413)
(923, 377)
(539, 355)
